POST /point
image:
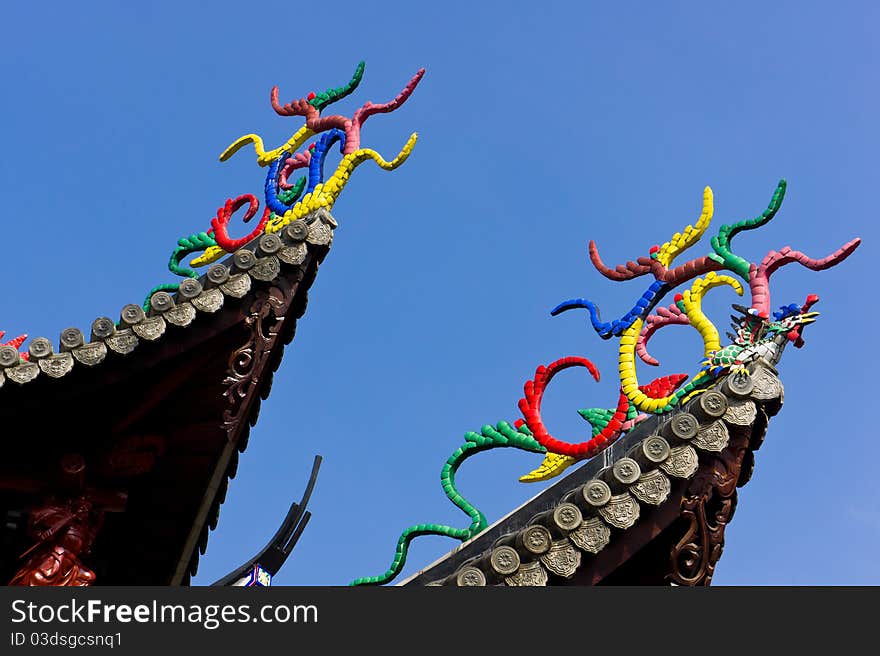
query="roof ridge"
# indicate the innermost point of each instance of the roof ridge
(259, 260)
(554, 534)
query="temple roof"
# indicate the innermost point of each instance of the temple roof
(260, 260)
(158, 405)
(136, 424)
(640, 513)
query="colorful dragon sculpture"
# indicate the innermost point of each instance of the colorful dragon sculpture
(758, 334)
(286, 201)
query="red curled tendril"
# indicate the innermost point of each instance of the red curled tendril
(220, 222)
(530, 406)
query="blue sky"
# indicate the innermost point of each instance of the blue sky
(540, 128)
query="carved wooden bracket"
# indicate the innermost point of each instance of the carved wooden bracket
(270, 322)
(707, 507)
(266, 317)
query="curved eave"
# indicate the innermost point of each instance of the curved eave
(638, 541)
(159, 383)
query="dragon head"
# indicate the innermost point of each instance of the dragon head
(791, 320)
(753, 327)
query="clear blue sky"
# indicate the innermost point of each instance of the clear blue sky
(541, 126)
